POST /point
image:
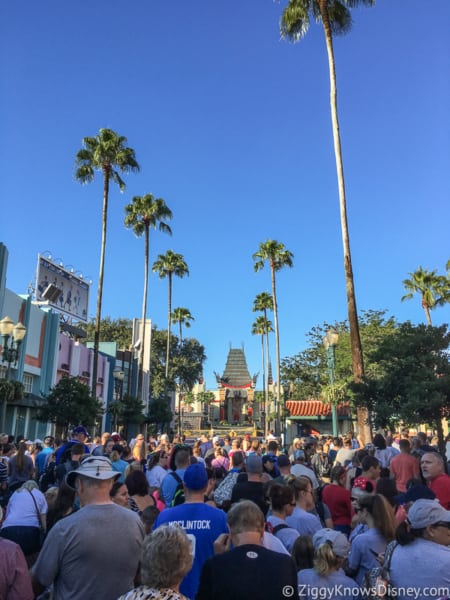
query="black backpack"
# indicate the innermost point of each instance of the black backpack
(178, 497)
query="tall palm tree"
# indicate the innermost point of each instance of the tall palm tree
(262, 327)
(264, 302)
(183, 317)
(336, 20)
(429, 285)
(276, 254)
(107, 152)
(168, 265)
(143, 213)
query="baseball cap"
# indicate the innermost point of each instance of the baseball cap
(94, 467)
(253, 464)
(424, 512)
(196, 477)
(80, 429)
(299, 455)
(336, 539)
(283, 461)
(416, 492)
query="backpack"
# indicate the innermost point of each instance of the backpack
(322, 465)
(178, 497)
(378, 579)
(277, 528)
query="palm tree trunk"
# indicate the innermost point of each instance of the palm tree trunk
(169, 320)
(266, 390)
(426, 308)
(98, 315)
(181, 332)
(263, 382)
(144, 315)
(355, 340)
(277, 349)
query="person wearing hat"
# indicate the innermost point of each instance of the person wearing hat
(300, 469)
(81, 556)
(252, 488)
(79, 436)
(331, 548)
(202, 522)
(284, 466)
(421, 559)
(242, 567)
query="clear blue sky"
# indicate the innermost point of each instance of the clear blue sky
(231, 126)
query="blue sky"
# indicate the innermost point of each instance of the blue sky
(231, 126)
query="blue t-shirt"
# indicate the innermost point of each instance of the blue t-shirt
(423, 566)
(169, 485)
(203, 524)
(41, 459)
(304, 522)
(363, 552)
(337, 585)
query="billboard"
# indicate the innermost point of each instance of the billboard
(66, 292)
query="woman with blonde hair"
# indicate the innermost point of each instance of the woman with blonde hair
(140, 450)
(327, 576)
(369, 547)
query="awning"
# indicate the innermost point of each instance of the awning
(316, 408)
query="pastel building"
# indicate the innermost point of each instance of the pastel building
(44, 356)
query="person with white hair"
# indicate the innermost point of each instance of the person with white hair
(166, 558)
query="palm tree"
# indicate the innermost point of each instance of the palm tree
(183, 317)
(336, 20)
(262, 327)
(107, 152)
(168, 265)
(264, 302)
(278, 257)
(143, 213)
(430, 286)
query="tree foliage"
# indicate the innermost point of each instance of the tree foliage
(307, 371)
(126, 411)
(70, 403)
(185, 364)
(111, 330)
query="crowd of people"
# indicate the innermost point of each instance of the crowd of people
(223, 517)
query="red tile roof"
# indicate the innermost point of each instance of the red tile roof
(313, 408)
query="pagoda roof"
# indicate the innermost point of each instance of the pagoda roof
(236, 374)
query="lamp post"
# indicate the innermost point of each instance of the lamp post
(330, 342)
(119, 376)
(13, 335)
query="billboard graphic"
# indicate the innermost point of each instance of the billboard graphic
(66, 292)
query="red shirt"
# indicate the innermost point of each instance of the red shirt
(441, 487)
(337, 498)
(404, 467)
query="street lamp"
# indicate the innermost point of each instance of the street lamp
(330, 342)
(13, 335)
(119, 376)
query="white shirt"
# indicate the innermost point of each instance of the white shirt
(155, 476)
(300, 470)
(22, 511)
